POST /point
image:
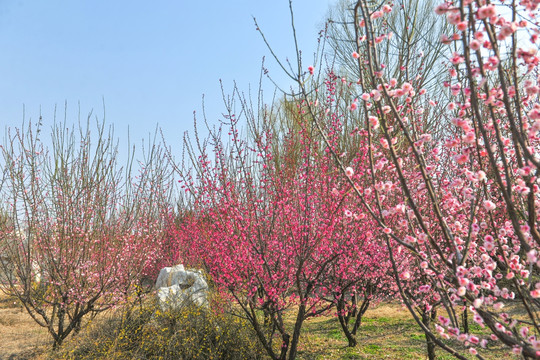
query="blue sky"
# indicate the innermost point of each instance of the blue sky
(150, 61)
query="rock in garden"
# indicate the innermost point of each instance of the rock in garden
(178, 287)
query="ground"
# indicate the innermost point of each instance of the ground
(21, 337)
(387, 332)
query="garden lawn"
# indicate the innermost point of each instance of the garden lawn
(387, 332)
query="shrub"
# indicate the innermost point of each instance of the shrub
(146, 332)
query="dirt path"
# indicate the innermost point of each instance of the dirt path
(20, 337)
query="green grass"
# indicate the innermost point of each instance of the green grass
(371, 349)
(387, 332)
(420, 337)
(336, 334)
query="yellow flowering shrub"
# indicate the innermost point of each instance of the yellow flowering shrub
(147, 332)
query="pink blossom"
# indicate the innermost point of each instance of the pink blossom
(534, 114)
(480, 175)
(462, 25)
(457, 59)
(376, 15)
(489, 205)
(444, 321)
(461, 158)
(405, 275)
(453, 17)
(456, 88)
(474, 45)
(406, 87)
(470, 137)
(486, 11)
(441, 8)
(374, 121)
(376, 95)
(477, 303)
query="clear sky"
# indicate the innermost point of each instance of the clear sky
(150, 61)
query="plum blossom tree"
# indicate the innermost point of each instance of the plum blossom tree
(468, 204)
(80, 233)
(362, 277)
(269, 228)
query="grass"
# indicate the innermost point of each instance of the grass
(387, 332)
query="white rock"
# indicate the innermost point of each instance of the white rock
(169, 276)
(178, 287)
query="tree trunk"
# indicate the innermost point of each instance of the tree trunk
(465, 320)
(344, 326)
(296, 334)
(356, 312)
(426, 320)
(284, 347)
